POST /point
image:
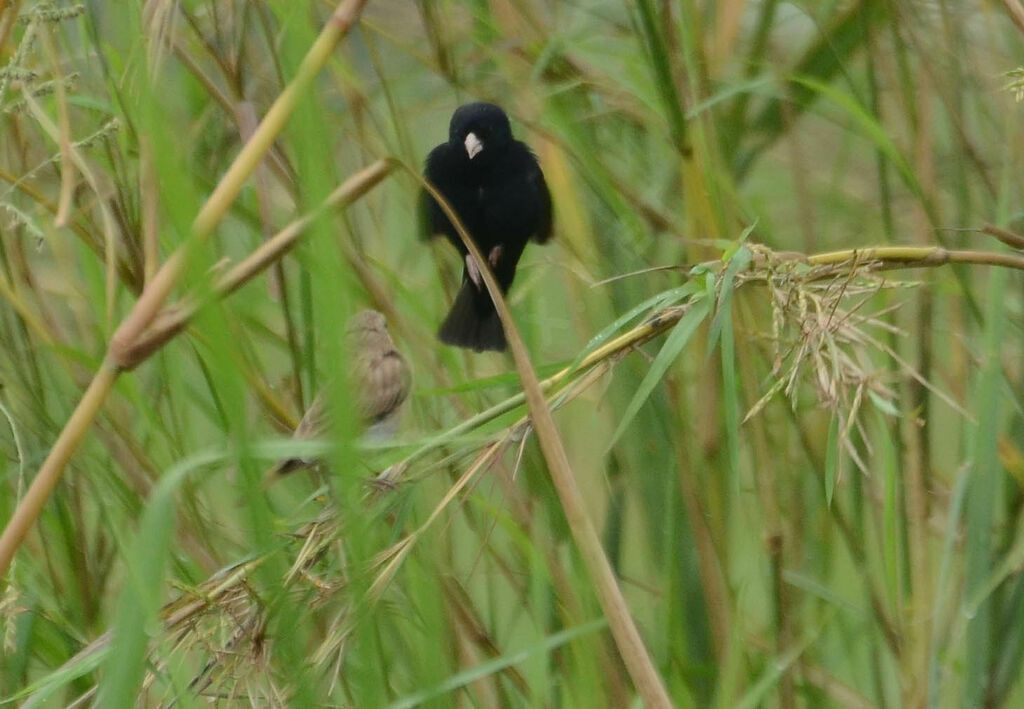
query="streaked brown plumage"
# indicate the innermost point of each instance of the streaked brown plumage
(379, 382)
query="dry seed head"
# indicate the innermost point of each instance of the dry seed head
(819, 335)
(46, 12)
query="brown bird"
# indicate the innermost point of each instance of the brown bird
(379, 382)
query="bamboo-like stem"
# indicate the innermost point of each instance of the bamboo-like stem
(46, 479)
(893, 257)
(67, 174)
(1015, 10)
(630, 644)
(645, 331)
(709, 559)
(914, 448)
(1010, 238)
(778, 536)
(185, 608)
(277, 282)
(640, 334)
(157, 290)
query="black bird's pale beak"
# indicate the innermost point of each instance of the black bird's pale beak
(473, 145)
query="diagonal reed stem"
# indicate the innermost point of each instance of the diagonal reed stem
(173, 319)
(46, 479)
(630, 644)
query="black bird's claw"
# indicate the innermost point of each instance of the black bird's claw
(473, 271)
(495, 256)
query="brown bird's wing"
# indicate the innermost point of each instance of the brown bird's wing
(383, 386)
(313, 423)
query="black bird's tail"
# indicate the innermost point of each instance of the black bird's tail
(473, 322)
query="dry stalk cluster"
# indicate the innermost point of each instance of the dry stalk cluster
(823, 333)
(215, 633)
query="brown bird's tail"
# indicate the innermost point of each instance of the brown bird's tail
(473, 322)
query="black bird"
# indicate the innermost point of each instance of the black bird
(494, 184)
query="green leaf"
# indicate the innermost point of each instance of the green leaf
(753, 698)
(883, 405)
(139, 605)
(730, 387)
(486, 669)
(738, 261)
(661, 65)
(751, 86)
(832, 459)
(661, 300)
(867, 123)
(43, 689)
(675, 343)
(822, 61)
(982, 489)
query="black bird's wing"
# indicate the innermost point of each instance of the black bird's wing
(535, 180)
(442, 172)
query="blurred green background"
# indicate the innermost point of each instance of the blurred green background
(854, 543)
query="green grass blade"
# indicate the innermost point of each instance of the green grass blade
(674, 344)
(486, 669)
(43, 689)
(822, 61)
(832, 459)
(755, 696)
(868, 124)
(981, 496)
(737, 262)
(661, 300)
(142, 596)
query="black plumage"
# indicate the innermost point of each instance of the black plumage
(494, 184)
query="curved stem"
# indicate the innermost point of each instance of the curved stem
(630, 644)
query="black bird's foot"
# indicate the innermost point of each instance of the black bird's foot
(473, 271)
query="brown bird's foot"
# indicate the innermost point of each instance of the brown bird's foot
(495, 255)
(474, 271)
